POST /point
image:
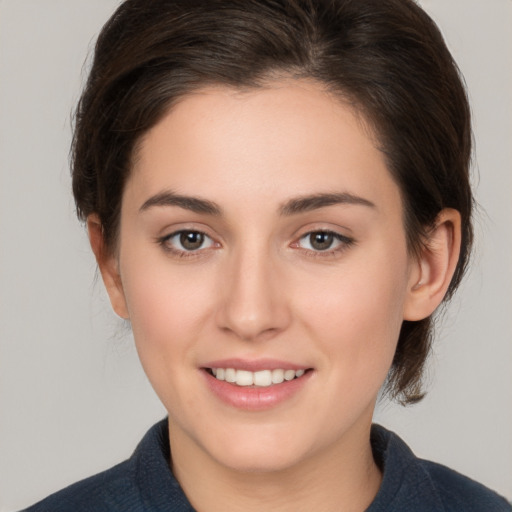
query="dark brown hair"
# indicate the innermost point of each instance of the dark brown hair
(386, 57)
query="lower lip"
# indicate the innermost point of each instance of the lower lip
(251, 398)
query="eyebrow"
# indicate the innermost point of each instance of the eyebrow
(291, 207)
(194, 204)
(316, 201)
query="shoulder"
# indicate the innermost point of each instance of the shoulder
(143, 482)
(459, 492)
(113, 489)
(410, 483)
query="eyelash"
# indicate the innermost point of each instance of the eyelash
(344, 243)
(165, 243)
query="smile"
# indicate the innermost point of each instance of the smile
(256, 385)
(262, 378)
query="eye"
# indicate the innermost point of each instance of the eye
(320, 241)
(187, 241)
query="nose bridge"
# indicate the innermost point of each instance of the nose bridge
(253, 303)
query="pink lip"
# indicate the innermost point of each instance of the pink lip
(252, 398)
(255, 365)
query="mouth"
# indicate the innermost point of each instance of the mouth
(258, 379)
(256, 385)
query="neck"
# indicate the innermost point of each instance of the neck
(342, 477)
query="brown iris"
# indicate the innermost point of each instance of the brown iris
(321, 241)
(191, 240)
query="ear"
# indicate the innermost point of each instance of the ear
(433, 269)
(108, 265)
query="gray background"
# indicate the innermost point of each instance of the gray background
(73, 399)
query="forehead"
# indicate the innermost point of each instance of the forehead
(291, 136)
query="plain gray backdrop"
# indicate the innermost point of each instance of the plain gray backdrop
(73, 398)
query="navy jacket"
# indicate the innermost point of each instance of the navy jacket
(144, 483)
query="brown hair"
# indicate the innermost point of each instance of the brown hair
(386, 57)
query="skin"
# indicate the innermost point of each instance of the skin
(257, 288)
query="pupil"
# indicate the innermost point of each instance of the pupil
(191, 240)
(321, 241)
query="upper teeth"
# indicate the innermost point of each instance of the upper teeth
(261, 378)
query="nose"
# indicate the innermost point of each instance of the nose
(253, 304)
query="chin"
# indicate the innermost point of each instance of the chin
(260, 462)
(260, 452)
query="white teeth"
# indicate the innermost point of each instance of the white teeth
(277, 376)
(262, 378)
(289, 374)
(244, 378)
(230, 375)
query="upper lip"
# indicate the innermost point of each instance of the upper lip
(255, 365)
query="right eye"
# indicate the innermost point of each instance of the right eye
(324, 241)
(187, 241)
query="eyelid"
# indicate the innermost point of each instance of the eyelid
(164, 242)
(343, 243)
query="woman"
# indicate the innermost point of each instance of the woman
(277, 195)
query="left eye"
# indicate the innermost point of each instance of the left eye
(189, 241)
(322, 241)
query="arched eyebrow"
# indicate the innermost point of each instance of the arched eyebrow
(194, 204)
(293, 206)
(315, 201)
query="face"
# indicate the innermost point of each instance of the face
(263, 265)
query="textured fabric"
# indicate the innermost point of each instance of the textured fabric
(144, 483)
(412, 484)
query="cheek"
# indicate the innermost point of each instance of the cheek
(357, 313)
(167, 314)
(168, 307)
